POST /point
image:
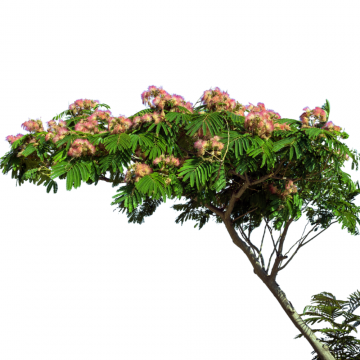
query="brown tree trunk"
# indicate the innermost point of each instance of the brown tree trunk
(320, 348)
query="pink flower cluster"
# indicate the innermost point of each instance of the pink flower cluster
(169, 160)
(309, 117)
(148, 117)
(212, 144)
(260, 121)
(217, 100)
(118, 125)
(78, 105)
(81, 147)
(56, 132)
(313, 115)
(33, 125)
(11, 138)
(331, 127)
(137, 171)
(290, 188)
(162, 100)
(90, 124)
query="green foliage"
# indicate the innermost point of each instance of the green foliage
(308, 159)
(153, 185)
(341, 345)
(191, 211)
(128, 197)
(207, 122)
(147, 208)
(117, 142)
(197, 170)
(326, 107)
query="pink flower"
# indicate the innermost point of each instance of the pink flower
(146, 117)
(273, 189)
(199, 144)
(33, 125)
(79, 103)
(156, 100)
(157, 160)
(261, 106)
(142, 169)
(156, 117)
(137, 120)
(12, 138)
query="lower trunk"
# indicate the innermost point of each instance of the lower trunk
(321, 349)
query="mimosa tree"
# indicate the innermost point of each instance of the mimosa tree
(243, 166)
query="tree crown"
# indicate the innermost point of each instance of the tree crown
(242, 163)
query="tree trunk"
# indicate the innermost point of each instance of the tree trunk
(321, 349)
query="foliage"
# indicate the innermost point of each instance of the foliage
(341, 345)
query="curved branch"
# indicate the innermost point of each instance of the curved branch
(244, 214)
(105, 179)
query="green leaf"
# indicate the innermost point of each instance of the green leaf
(283, 143)
(77, 176)
(58, 170)
(152, 185)
(197, 170)
(117, 142)
(69, 179)
(211, 121)
(29, 150)
(50, 185)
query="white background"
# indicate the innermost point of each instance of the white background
(76, 280)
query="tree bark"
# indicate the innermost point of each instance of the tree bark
(321, 349)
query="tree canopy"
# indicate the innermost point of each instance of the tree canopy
(202, 153)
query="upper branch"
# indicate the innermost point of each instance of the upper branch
(280, 257)
(213, 208)
(302, 243)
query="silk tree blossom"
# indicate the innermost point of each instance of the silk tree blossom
(146, 117)
(137, 171)
(157, 117)
(217, 100)
(162, 100)
(283, 126)
(119, 125)
(81, 147)
(87, 126)
(33, 125)
(331, 127)
(169, 160)
(200, 146)
(136, 121)
(290, 188)
(309, 117)
(211, 145)
(56, 132)
(80, 104)
(215, 143)
(262, 122)
(11, 138)
(259, 123)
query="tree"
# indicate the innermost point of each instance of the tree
(240, 170)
